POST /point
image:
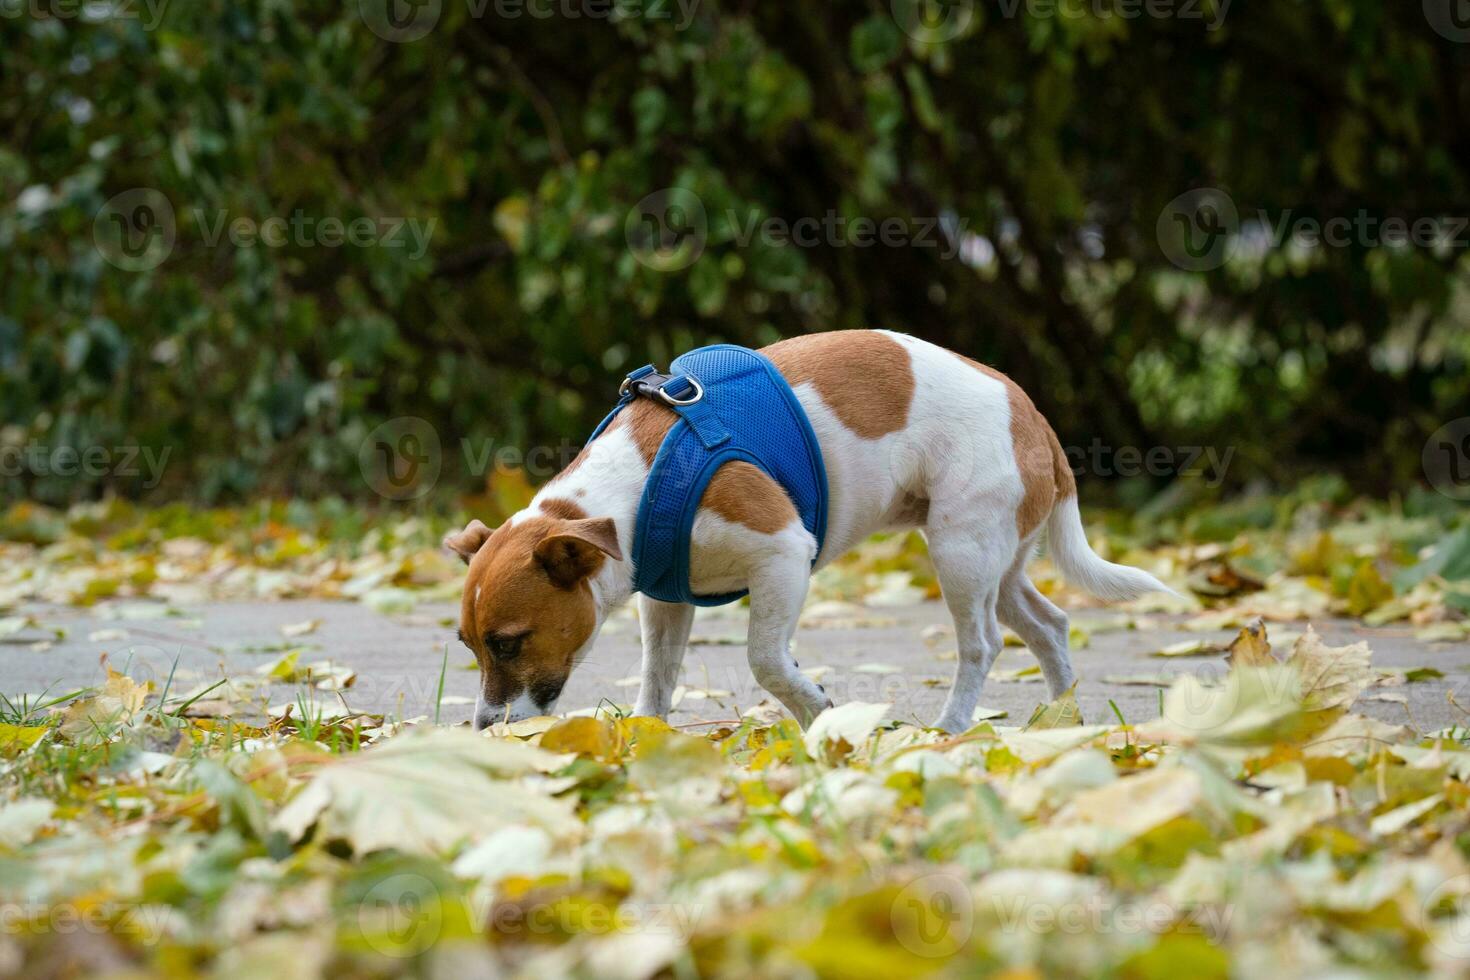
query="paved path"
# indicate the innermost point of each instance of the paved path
(398, 660)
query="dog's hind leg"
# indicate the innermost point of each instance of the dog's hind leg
(970, 561)
(777, 590)
(1039, 623)
(665, 627)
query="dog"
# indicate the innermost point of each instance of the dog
(912, 436)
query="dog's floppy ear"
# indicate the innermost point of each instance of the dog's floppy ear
(575, 550)
(465, 543)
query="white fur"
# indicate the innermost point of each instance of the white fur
(520, 709)
(954, 452)
(1084, 569)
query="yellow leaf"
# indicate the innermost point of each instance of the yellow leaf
(1251, 648)
(584, 736)
(1061, 713)
(1367, 590)
(14, 738)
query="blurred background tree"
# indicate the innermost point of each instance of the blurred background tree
(1050, 148)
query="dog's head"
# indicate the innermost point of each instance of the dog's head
(528, 610)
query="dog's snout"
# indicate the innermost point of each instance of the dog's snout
(526, 705)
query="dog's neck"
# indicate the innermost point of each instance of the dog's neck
(607, 481)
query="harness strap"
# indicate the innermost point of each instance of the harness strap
(681, 393)
(750, 414)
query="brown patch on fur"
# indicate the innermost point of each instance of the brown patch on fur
(563, 508)
(508, 592)
(865, 377)
(1045, 473)
(743, 494)
(650, 422)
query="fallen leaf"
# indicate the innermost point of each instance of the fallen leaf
(1331, 677)
(1251, 648)
(837, 731)
(293, 630)
(423, 793)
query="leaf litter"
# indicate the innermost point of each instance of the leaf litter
(1257, 825)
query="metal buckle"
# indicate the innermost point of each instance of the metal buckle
(673, 402)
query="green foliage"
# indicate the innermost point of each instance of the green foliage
(518, 150)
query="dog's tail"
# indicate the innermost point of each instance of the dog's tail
(1070, 552)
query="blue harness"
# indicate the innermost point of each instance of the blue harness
(732, 404)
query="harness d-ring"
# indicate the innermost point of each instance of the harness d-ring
(673, 402)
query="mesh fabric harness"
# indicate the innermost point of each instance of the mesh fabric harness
(733, 405)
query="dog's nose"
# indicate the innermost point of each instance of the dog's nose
(486, 714)
(520, 709)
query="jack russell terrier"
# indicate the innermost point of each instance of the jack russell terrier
(911, 436)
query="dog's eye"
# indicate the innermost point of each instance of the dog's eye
(504, 648)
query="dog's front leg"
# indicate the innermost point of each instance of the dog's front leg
(665, 627)
(777, 591)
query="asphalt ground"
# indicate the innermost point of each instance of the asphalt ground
(903, 656)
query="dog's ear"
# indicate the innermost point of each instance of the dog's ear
(575, 550)
(465, 543)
